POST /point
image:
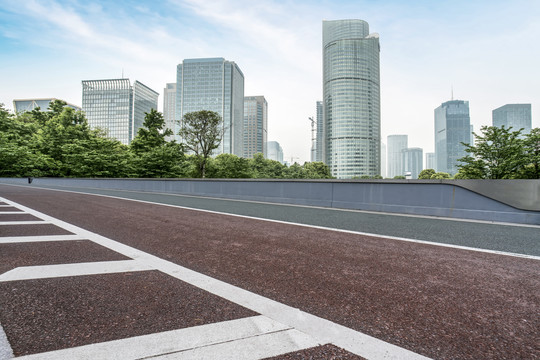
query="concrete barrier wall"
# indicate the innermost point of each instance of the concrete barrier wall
(491, 200)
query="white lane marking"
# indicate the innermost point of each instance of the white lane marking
(172, 342)
(24, 222)
(76, 269)
(322, 330)
(5, 348)
(11, 212)
(5, 206)
(28, 239)
(424, 242)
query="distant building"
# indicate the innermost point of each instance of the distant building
(319, 137)
(411, 159)
(351, 99)
(169, 110)
(452, 128)
(255, 126)
(430, 161)
(517, 116)
(383, 160)
(214, 84)
(22, 105)
(395, 143)
(117, 106)
(275, 152)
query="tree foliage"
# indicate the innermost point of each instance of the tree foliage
(201, 132)
(426, 174)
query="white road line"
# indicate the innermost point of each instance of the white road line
(11, 212)
(28, 239)
(76, 269)
(207, 339)
(5, 348)
(23, 222)
(322, 330)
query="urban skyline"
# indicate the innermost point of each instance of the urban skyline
(425, 50)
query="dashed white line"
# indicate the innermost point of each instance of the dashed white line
(23, 222)
(30, 239)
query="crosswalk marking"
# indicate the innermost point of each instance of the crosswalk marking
(28, 239)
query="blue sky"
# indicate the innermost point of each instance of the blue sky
(488, 51)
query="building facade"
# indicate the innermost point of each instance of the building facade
(214, 84)
(22, 105)
(395, 144)
(275, 152)
(452, 128)
(319, 139)
(255, 126)
(351, 99)
(412, 161)
(430, 161)
(117, 107)
(169, 110)
(517, 116)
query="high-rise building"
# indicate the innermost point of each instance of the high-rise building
(383, 160)
(22, 105)
(169, 110)
(430, 161)
(351, 99)
(319, 139)
(117, 107)
(452, 128)
(395, 143)
(214, 84)
(411, 158)
(255, 126)
(517, 116)
(275, 152)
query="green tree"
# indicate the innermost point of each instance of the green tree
(153, 155)
(399, 177)
(426, 174)
(440, 175)
(229, 166)
(295, 171)
(317, 170)
(498, 153)
(531, 147)
(201, 132)
(262, 168)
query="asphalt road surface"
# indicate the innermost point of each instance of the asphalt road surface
(80, 274)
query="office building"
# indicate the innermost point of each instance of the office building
(430, 161)
(411, 158)
(383, 160)
(169, 110)
(217, 85)
(517, 116)
(22, 105)
(351, 99)
(275, 152)
(319, 139)
(452, 128)
(395, 144)
(255, 126)
(117, 106)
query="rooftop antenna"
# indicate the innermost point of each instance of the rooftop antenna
(452, 92)
(122, 73)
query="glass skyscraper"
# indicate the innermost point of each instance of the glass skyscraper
(351, 99)
(452, 127)
(117, 107)
(255, 126)
(412, 161)
(275, 151)
(517, 116)
(396, 143)
(169, 110)
(214, 84)
(319, 136)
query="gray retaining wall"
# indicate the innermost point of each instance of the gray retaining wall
(516, 201)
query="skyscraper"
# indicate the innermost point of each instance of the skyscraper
(411, 158)
(169, 110)
(452, 127)
(396, 143)
(214, 84)
(255, 125)
(430, 161)
(351, 99)
(517, 116)
(319, 140)
(117, 106)
(275, 152)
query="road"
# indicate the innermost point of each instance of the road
(382, 295)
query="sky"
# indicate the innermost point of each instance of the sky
(484, 51)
